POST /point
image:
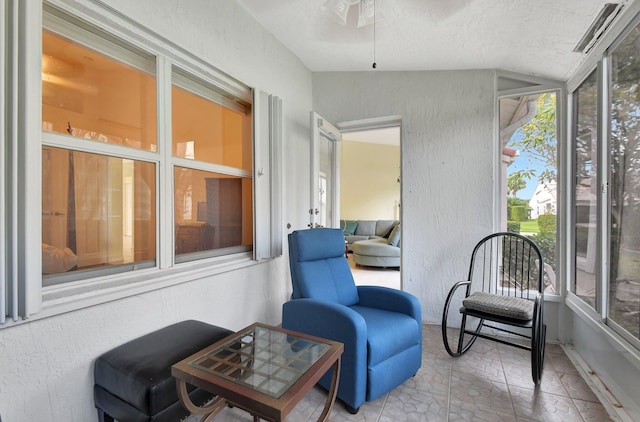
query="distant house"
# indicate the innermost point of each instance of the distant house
(544, 199)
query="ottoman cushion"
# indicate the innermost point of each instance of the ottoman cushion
(139, 372)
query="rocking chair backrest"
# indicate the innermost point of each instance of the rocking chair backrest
(507, 264)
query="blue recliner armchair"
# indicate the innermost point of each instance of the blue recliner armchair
(380, 327)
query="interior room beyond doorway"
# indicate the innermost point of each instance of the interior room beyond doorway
(370, 174)
(370, 187)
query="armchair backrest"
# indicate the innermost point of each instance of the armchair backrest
(319, 269)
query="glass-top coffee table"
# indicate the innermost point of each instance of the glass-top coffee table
(262, 369)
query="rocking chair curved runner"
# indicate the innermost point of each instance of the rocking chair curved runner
(505, 287)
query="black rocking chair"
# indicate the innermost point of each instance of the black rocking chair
(505, 288)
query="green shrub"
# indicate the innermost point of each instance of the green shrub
(515, 202)
(547, 223)
(513, 227)
(546, 241)
(519, 213)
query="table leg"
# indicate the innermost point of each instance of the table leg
(210, 410)
(333, 390)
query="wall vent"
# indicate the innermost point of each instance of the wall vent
(598, 27)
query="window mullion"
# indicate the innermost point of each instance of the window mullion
(4, 21)
(604, 197)
(165, 197)
(95, 147)
(216, 168)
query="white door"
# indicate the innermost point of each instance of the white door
(325, 203)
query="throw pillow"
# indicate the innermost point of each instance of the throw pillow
(350, 227)
(394, 237)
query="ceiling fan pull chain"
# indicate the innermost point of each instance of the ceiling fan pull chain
(374, 34)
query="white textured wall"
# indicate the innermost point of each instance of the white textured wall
(447, 164)
(46, 370)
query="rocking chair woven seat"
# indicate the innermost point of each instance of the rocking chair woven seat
(504, 289)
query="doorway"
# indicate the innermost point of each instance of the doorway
(370, 183)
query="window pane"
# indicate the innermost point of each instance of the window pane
(97, 212)
(212, 211)
(207, 131)
(92, 96)
(624, 279)
(586, 189)
(529, 170)
(326, 182)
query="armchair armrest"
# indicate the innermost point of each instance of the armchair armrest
(390, 300)
(327, 320)
(339, 323)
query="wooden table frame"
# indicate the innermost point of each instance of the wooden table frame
(258, 404)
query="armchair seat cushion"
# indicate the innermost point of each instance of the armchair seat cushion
(388, 333)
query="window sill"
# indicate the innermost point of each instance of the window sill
(73, 296)
(587, 314)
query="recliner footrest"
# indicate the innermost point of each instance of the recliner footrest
(133, 381)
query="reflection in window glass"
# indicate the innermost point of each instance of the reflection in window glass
(207, 131)
(89, 95)
(98, 212)
(624, 185)
(586, 189)
(212, 211)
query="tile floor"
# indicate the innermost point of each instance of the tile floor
(491, 382)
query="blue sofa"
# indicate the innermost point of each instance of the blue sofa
(381, 328)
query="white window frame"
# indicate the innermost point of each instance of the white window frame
(529, 85)
(598, 58)
(21, 256)
(199, 87)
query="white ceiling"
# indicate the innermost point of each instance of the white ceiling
(525, 36)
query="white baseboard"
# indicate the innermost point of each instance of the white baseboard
(614, 408)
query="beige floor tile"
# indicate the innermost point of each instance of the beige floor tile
(577, 387)
(473, 398)
(519, 375)
(539, 406)
(592, 412)
(559, 362)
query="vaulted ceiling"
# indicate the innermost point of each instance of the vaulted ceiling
(530, 37)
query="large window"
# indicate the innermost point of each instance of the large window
(213, 207)
(529, 172)
(624, 185)
(103, 158)
(585, 136)
(607, 188)
(98, 209)
(128, 162)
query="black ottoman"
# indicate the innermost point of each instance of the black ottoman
(133, 382)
